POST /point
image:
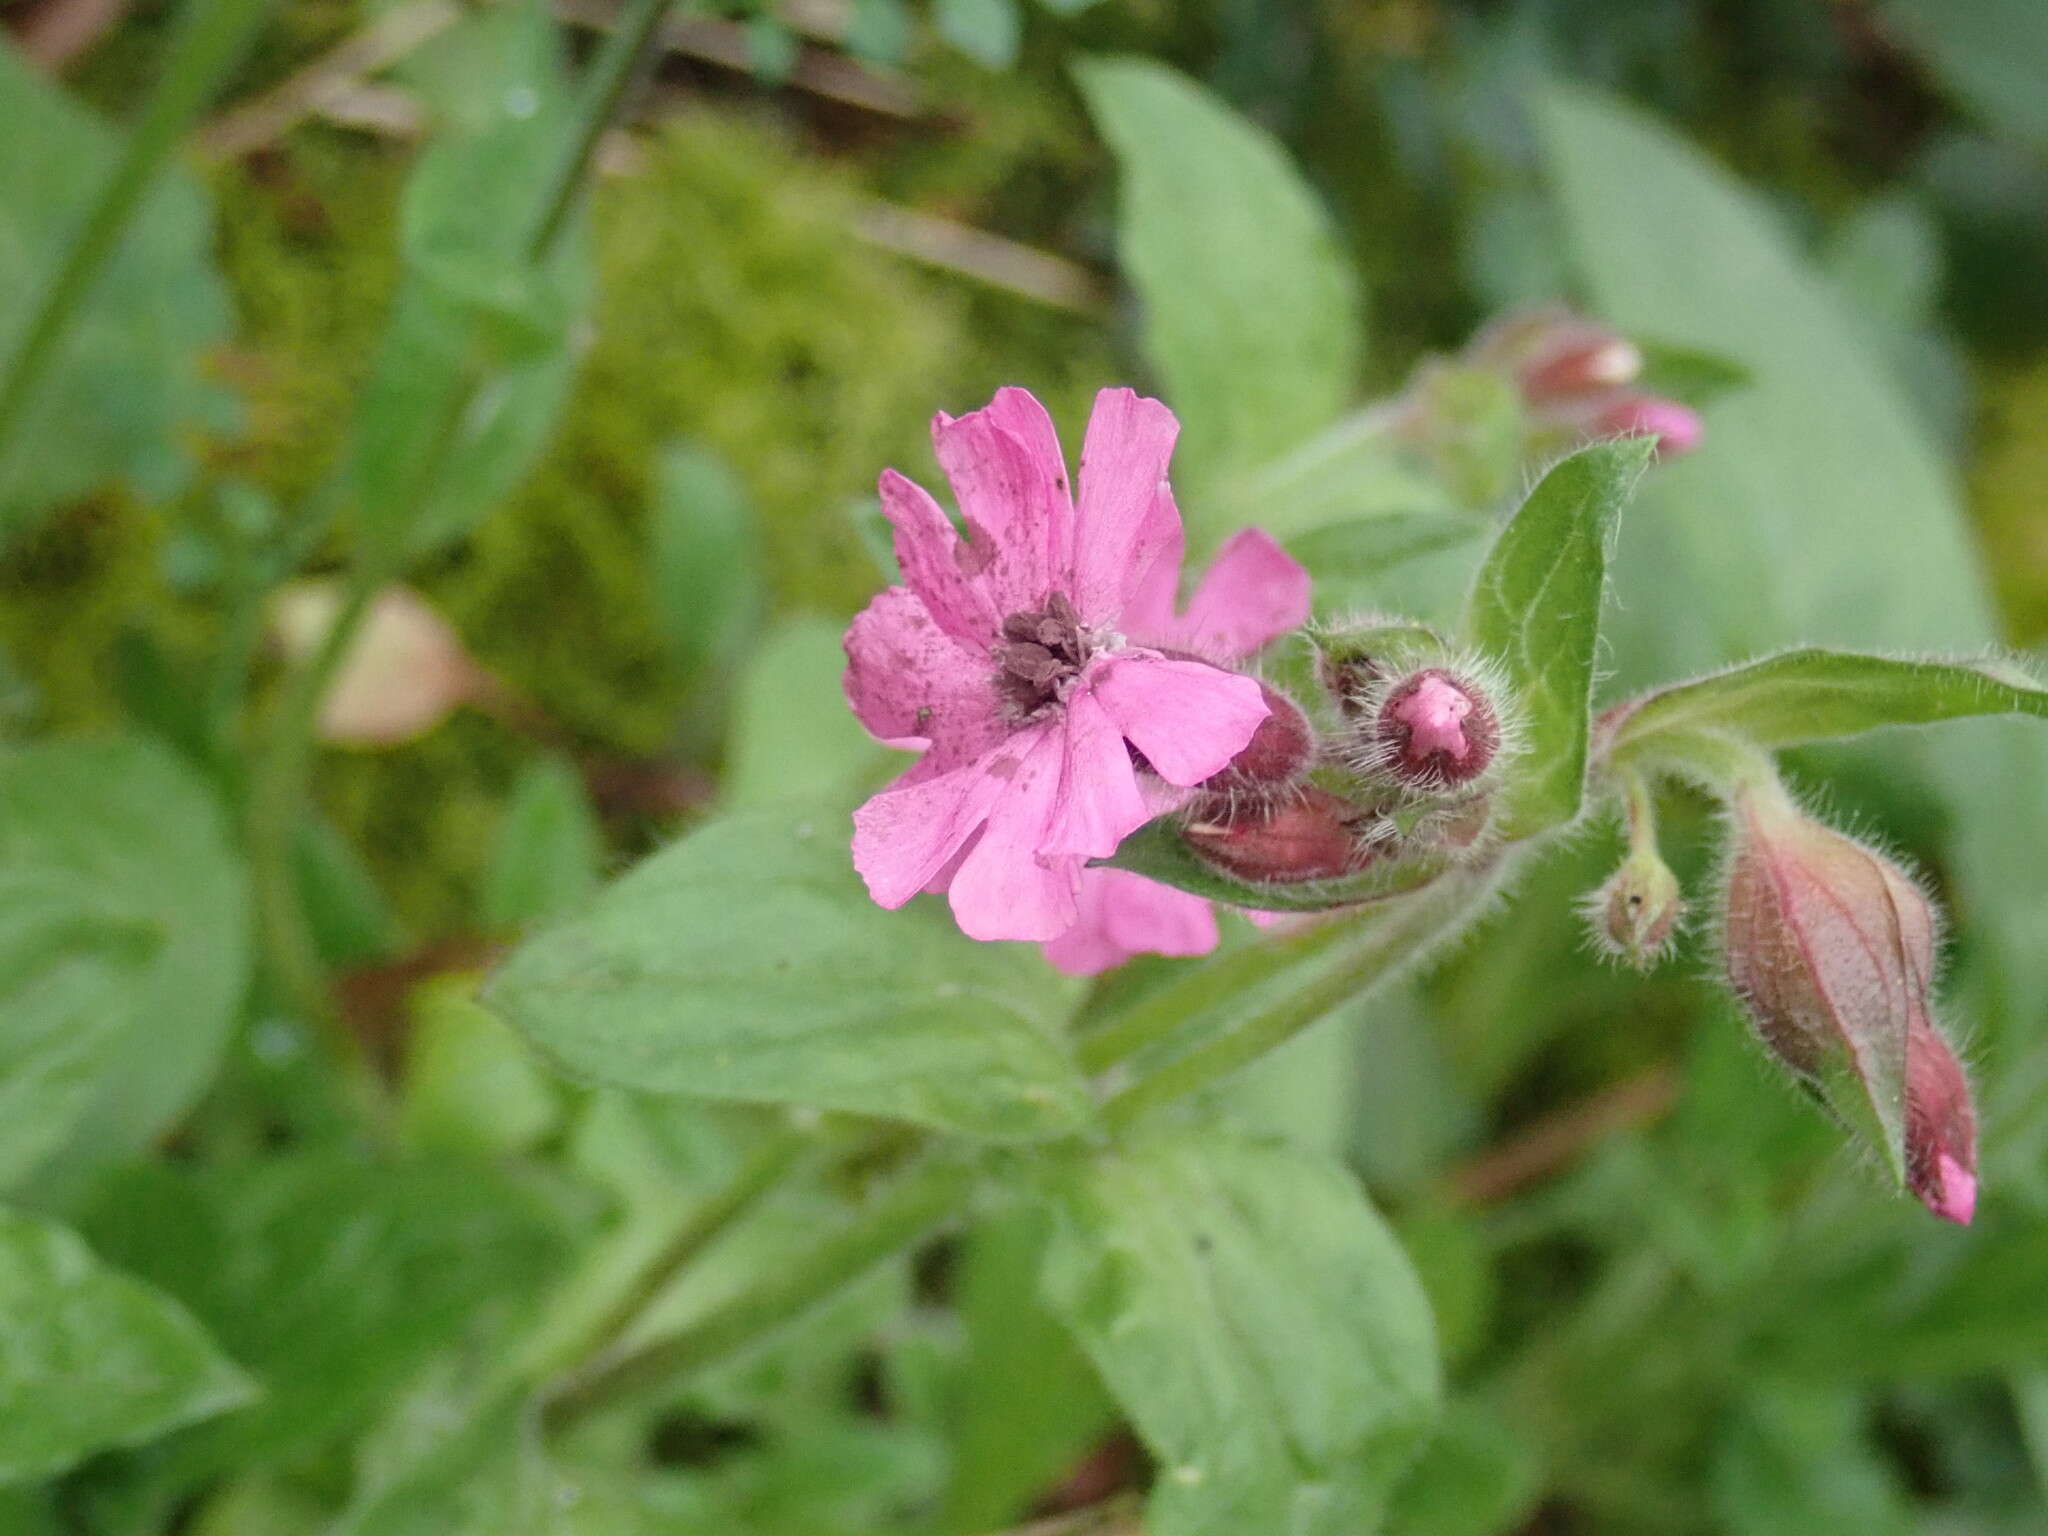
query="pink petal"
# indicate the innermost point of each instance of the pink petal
(912, 684)
(1099, 803)
(1126, 514)
(1254, 591)
(1003, 889)
(1122, 914)
(904, 836)
(1188, 718)
(1150, 600)
(936, 565)
(1012, 509)
(1018, 412)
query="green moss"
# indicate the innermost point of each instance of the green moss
(2011, 468)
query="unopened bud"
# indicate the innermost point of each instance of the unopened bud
(1580, 358)
(1310, 835)
(1831, 947)
(1275, 759)
(1676, 427)
(1432, 730)
(1634, 916)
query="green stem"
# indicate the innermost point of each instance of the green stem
(210, 38)
(1390, 939)
(922, 1199)
(277, 804)
(624, 51)
(557, 1349)
(1166, 1010)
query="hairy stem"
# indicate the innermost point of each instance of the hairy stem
(556, 1348)
(923, 1198)
(1377, 947)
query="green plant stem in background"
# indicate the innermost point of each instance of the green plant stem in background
(764, 1168)
(210, 39)
(282, 782)
(920, 1200)
(624, 52)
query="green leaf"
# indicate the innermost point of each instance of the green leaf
(471, 1085)
(1477, 1477)
(1028, 1404)
(1535, 610)
(70, 982)
(1258, 1322)
(90, 1358)
(792, 736)
(477, 360)
(1814, 695)
(1836, 528)
(746, 962)
(1791, 1460)
(1252, 313)
(127, 391)
(550, 852)
(987, 31)
(706, 562)
(1360, 549)
(1158, 852)
(1991, 54)
(351, 922)
(332, 1279)
(128, 819)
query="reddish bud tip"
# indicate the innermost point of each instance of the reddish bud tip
(1310, 835)
(1677, 428)
(1436, 731)
(1276, 757)
(1941, 1129)
(1580, 359)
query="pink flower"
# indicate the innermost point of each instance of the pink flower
(1253, 592)
(1004, 658)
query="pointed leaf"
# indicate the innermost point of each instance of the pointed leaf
(1814, 695)
(91, 1358)
(1252, 313)
(746, 962)
(1536, 611)
(71, 973)
(1256, 1319)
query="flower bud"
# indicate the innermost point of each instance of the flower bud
(1310, 835)
(1831, 947)
(1576, 358)
(1275, 759)
(1634, 916)
(1431, 731)
(1676, 427)
(1353, 659)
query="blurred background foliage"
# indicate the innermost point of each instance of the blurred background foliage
(1667, 1301)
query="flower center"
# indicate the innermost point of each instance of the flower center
(1040, 652)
